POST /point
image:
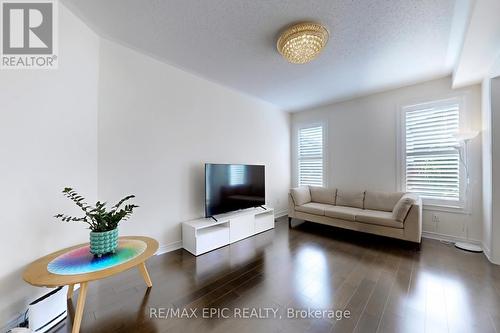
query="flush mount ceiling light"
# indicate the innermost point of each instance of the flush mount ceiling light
(302, 42)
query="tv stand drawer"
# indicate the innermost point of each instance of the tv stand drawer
(264, 221)
(241, 227)
(211, 238)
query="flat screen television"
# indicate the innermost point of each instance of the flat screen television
(230, 187)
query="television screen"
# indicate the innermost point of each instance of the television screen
(229, 187)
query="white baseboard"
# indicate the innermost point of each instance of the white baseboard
(453, 239)
(448, 238)
(487, 253)
(169, 247)
(281, 213)
(14, 322)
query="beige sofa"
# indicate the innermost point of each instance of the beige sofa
(391, 214)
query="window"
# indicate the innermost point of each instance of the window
(310, 156)
(431, 167)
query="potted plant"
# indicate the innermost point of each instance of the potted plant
(102, 223)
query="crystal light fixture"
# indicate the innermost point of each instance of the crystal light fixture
(302, 42)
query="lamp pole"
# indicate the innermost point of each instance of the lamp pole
(465, 138)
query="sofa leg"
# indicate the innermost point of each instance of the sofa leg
(289, 222)
(418, 246)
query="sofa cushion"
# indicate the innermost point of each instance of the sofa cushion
(384, 201)
(403, 207)
(341, 212)
(323, 194)
(313, 208)
(350, 198)
(379, 218)
(301, 195)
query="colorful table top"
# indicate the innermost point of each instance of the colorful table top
(81, 261)
(76, 265)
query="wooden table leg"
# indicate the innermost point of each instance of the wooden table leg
(71, 288)
(79, 307)
(145, 274)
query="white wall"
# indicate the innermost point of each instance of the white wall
(491, 162)
(495, 125)
(491, 167)
(158, 125)
(48, 140)
(495, 70)
(487, 161)
(362, 146)
(481, 43)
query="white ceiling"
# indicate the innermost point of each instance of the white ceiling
(374, 45)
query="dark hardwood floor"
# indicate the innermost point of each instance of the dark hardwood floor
(386, 286)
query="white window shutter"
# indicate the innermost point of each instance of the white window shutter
(310, 156)
(432, 158)
(236, 174)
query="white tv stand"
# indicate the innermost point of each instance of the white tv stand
(205, 234)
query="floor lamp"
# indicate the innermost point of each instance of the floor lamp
(463, 140)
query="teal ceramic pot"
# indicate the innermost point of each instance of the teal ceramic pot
(103, 242)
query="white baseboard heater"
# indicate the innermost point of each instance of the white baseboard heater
(48, 310)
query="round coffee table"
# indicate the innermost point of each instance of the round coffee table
(38, 274)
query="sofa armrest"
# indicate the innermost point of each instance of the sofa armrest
(413, 221)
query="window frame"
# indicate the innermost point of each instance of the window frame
(296, 157)
(462, 204)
